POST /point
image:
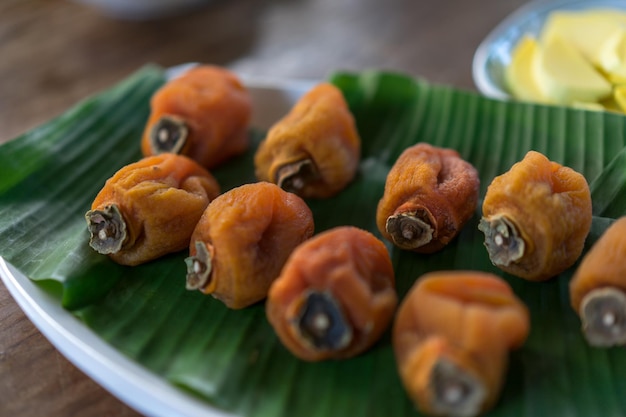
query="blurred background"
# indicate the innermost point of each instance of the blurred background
(55, 52)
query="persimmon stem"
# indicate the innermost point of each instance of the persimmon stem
(322, 323)
(503, 240)
(168, 135)
(199, 267)
(293, 177)
(456, 392)
(107, 229)
(410, 230)
(603, 316)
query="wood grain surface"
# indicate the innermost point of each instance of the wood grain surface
(54, 53)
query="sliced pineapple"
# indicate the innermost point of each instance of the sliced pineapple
(564, 76)
(519, 73)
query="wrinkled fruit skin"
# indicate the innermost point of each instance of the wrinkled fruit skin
(354, 267)
(320, 127)
(602, 269)
(252, 230)
(161, 199)
(603, 265)
(469, 318)
(550, 205)
(436, 180)
(215, 106)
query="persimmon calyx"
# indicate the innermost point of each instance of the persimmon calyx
(603, 316)
(410, 230)
(199, 267)
(294, 176)
(456, 392)
(503, 240)
(107, 229)
(168, 135)
(321, 322)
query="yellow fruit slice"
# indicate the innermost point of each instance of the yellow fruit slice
(564, 76)
(588, 106)
(619, 94)
(518, 73)
(611, 105)
(584, 30)
(612, 55)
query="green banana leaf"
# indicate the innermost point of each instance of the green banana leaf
(232, 359)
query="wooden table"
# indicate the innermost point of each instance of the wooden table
(56, 52)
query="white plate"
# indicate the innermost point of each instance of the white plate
(130, 382)
(493, 54)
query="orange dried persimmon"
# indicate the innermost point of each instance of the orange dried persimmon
(598, 288)
(203, 114)
(335, 295)
(536, 217)
(452, 336)
(243, 240)
(314, 150)
(150, 208)
(430, 194)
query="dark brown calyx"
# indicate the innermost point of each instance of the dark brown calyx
(502, 239)
(603, 315)
(107, 229)
(322, 324)
(293, 177)
(456, 392)
(410, 230)
(168, 135)
(199, 267)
